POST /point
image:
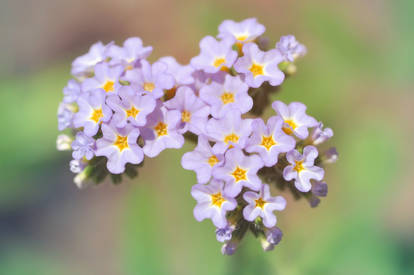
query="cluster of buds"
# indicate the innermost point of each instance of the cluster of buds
(120, 108)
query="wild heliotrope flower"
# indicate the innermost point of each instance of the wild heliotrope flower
(106, 78)
(150, 79)
(302, 169)
(229, 131)
(161, 132)
(290, 48)
(239, 171)
(212, 203)
(83, 146)
(120, 146)
(263, 205)
(71, 91)
(131, 107)
(223, 98)
(202, 160)
(127, 55)
(83, 65)
(243, 32)
(269, 140)
(92, 111)
(258, 66)
(194, 112)
(215, 55)
(295, 118)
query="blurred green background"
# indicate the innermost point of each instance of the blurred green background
(357, 78)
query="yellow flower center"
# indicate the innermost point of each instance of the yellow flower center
(121, 142)
(241, 37)
(132, 112)
(217, 199)
(239, 174)
(185, 116)
(292, 126)
(149, 86)
(96, 115)
(213, 160)
(227, 98)
(256, 69)
(268, 142)
(218, 62)
(298, 166)
(260, 203)
(232, 137)
(161, 129)
(108, 86)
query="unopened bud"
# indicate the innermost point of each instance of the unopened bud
(63, 142)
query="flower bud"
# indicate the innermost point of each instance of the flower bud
(63, 142)
(320, 135)
(224, 234)
(274, 235)
(330, 156)
(229, 248)
(319, 189)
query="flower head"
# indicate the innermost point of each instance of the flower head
(131, 107)
(150, 79)
(226, 97)
(202, 160)
(295, 118)
(269, 140)
(92, 112)
(215, 55)
(258, 66)
(83, 65)
(127, 55)
(161, 131)
(105, 78)
(83, 146)
(229, 131)
(243, 32)
(302, 169)
(194, 112)
(290, 48)
(212, 203)
(239, 171)
(263, 205)
(120, 146)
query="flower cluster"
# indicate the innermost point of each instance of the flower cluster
(120, 108)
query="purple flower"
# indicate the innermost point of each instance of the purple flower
(302, 169)
(71, 91)
(194, 112)
(215, 55)
(181, 73)
(223, 98)
(132, 51)
(295, 118)
(65, 116)
(274, 235)
(258, 66)
(161, 132)
(243, 32)
(320, 135)
(77, 165)
(224, 234)
(83, 65)
(120, 147)
(130, 107)
(263, 205)
(290, 48)
(229, 131)
(151, 79)
(212, 203)
(269, 140)
(83, 146)
(92, 112)
(239, 171)
(106, 78)
(202, 160)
